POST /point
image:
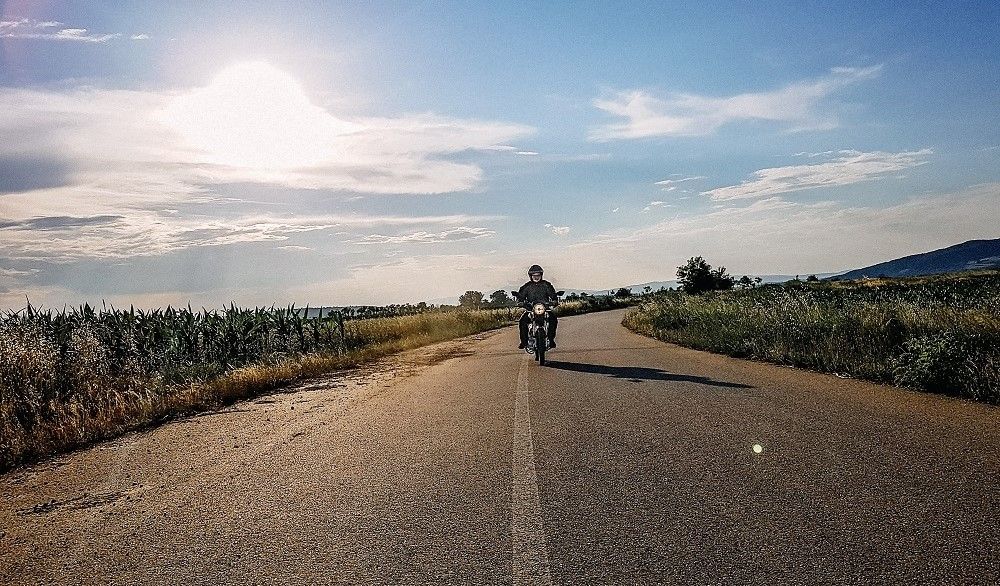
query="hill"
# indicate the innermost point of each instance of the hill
(974, 254)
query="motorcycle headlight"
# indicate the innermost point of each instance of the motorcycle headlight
(539, 308)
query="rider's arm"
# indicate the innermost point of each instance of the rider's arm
(522, 298)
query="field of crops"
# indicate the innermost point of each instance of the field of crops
(938, 334)
(70, 377)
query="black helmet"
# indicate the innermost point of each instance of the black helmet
(535, 269)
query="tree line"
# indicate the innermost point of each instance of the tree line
(695, 276)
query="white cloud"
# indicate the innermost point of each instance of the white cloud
(96, 193)
(66, 238)
(28, 28)
(233, 132)
(134, 236)
(13, 273)
(140, 37)
(797, 105)
(460, 234)
(773, 235)
(537, 157)
(140, 155)
(764, 237)
(656, 204)
(671, 184)
(558, 230)
(540, 157)
(844, 168)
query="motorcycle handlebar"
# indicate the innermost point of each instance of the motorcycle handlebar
(548, 304)
(528, 304)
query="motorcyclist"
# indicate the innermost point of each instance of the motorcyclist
(537, 290)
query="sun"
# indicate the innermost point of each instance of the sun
(255, 116)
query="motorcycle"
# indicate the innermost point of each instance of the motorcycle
(538, 327)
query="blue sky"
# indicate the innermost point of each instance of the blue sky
(394, 152)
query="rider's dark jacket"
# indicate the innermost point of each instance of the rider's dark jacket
(540, 292)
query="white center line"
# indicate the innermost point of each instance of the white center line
(531, 558)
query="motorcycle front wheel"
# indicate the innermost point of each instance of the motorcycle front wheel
(540, 347)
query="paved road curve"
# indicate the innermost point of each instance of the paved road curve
(627, 461)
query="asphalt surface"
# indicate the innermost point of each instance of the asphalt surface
(624, 461)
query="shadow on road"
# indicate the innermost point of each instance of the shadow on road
(638, 374)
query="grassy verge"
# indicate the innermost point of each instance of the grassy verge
(936, 334)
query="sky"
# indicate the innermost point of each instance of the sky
(330, 153)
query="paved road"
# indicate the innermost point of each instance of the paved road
(626, 461)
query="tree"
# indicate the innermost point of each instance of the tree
(811, 279)
(471, 300)
(623, 293)
(697, 276)
(745, 282)
(723, 282)
(499, 298)
(647, 289)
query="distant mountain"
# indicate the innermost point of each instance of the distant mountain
(974, 254)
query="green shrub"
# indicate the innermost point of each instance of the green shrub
(940, 334)
(940, 363)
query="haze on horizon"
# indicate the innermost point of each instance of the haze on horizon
(160, 154)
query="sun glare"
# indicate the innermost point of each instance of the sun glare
(255, 116)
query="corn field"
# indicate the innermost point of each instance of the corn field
(937, 334)
(89, 368)
(70, 377)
